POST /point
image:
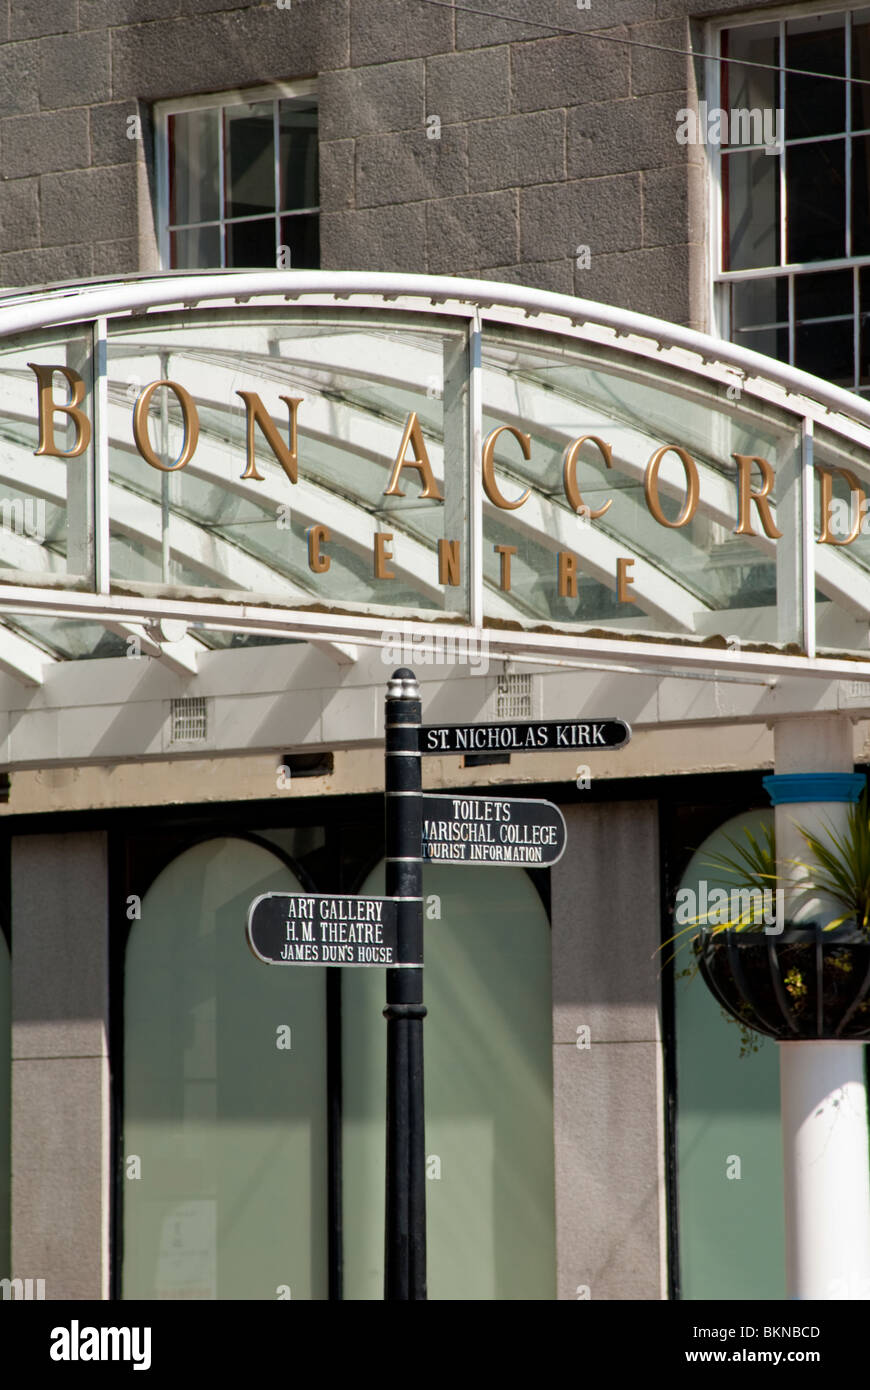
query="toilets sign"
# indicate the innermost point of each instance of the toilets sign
(492, 830)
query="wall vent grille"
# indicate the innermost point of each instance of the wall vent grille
(189, 720)
(513, 696)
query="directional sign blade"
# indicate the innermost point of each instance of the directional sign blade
(492, 830)
(322, 929)
(581, 735)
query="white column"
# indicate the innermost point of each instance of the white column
(826, 1170)
(827, 1193)
(814, 743)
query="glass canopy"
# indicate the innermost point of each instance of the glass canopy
(268, 456)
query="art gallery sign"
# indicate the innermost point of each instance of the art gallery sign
(308, 450)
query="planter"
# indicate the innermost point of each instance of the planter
(805, 983)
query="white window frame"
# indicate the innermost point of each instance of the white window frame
(242, 96)
(718, 307)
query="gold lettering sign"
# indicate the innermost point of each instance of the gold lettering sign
(191, 426)
(569, 473)
(488, 467)
(505, 551)
(826, 484)
(755, 478)
(745, 496)
(47, 406)
(448, 562)
(382, 555)
(623, 579)
(257, 414)
(651, 486)
(567, 574)
(317, 562)
(413, 435)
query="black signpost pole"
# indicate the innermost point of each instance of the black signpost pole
(405, 1252)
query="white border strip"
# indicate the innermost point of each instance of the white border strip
(186, 291)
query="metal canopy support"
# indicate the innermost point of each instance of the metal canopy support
(807, 558)
(101, 459)
(21, 659)
(342, 653)
(179, 656)
(475, 517)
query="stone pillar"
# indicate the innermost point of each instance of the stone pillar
(60, 1064)
(826, 1176)
(608, 1079)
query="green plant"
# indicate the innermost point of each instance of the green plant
(842, 866)
(837, 867)
(753, 865)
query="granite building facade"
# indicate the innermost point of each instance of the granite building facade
(533, 146)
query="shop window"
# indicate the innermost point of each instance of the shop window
(225, 1127)
(488, 1082)
(5, 1107)
(792, 266)
(238, 178)
(253, 1160)
(729, 1144)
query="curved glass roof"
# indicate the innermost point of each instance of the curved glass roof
(339, 454)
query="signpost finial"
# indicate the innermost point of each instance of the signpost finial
(402, 685)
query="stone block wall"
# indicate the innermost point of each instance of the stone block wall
(452, 143)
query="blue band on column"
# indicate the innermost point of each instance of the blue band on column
(786, 787)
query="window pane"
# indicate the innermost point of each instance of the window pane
(756, 302)
(298, 158)
(773, 342)
(301, 236)
(251, 243)
(816, 201)
(840, 623)
(750, 88)
(825, 349)
(46, 511)
(729, 1248)
(231, 1131)
(706, 575)
(198, 248)
(861, 69)
(203, 529)
(194, 166)
(491, 1232)
(751, 199)
(821, 296)
(812, 105)
(5, 1107)
(861, 196)
(250, 159)
(864, 300)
